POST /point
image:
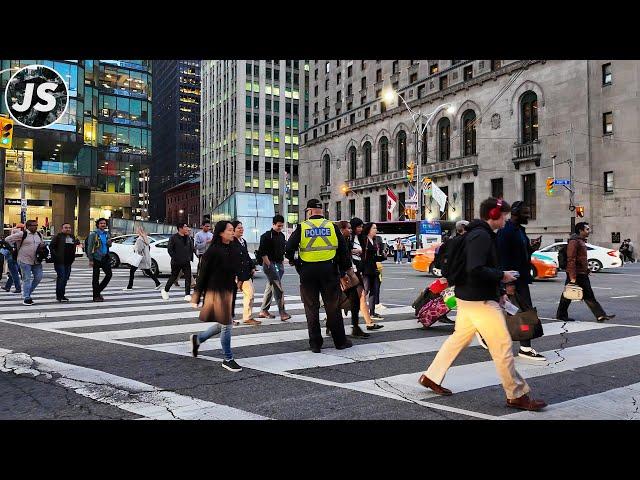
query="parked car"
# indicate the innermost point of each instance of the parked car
(597, 257)
(122, 247)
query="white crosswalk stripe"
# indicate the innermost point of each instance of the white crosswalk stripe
(142, 319)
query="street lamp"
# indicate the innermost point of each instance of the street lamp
(420, 128)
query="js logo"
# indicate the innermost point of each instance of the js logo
(36, 96)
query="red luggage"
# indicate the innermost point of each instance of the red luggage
(432, 311)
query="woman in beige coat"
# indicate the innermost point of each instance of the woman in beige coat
(142, 248)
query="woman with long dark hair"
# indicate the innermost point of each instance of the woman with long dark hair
(356, 252)
(370, 256)
(217, 282)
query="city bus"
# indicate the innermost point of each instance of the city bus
(406, 231)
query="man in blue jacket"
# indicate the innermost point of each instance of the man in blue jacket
(514, 252)
(98, 243)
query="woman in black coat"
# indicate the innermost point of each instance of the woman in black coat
(371, 254)
(218, 280)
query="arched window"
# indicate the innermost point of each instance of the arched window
(366, 150)
(352, 163)
(401, 146)
(425, 150)
(529, 109)
(326, 168)
(383, 149)
(444, 138)
(469, 133)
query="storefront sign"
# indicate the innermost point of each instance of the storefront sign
(30, 202)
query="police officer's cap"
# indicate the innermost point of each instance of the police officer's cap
(314, 203)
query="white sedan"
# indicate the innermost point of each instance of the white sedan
(597, 257)
(122, 247)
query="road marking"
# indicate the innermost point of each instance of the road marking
(626, 296)
(127, 394)
(616, 404)
(399, 289)
(474, 376)
(602, 288)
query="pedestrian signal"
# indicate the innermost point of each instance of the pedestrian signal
(410, 171)
(6, 132)
(549, 187)
(580, 211)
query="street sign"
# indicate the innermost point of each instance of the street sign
(430, 227)
(23, 203)
(562, 182)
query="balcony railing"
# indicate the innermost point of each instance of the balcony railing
(376, 180)
(325, 191)
(451, 167)
(526, 152)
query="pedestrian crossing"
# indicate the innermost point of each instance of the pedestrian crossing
(387, 364)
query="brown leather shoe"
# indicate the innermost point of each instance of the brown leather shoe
(264, 314)
(251, 321)
(284, 317)
(526, 403)
(427, 383)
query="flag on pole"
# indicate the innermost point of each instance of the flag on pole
(392, 201)
(413, 196)
(439, 196)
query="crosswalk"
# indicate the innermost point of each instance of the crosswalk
(387, 364)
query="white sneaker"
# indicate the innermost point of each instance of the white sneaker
(187, 298)
(165, 294)
(481, 341)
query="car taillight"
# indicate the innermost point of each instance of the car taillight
(612, 253)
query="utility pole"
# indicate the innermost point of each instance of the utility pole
(23, 197)
(418, 179)
(2, 188)
(572, 205)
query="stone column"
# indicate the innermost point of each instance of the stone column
(84, 202)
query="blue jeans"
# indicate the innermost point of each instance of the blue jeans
(64, 272)
(225, 337)
(273, 288)
(399, 256)
(30, 284)
(14, 275)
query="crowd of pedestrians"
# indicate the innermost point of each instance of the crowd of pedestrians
(487, 264)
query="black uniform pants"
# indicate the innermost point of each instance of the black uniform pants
(588, 297)
(322, 279)
(175, 271)
(105, 265)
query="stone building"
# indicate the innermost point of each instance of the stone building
(510, 119)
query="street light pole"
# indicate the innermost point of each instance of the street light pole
(420, 129)
(23, 197)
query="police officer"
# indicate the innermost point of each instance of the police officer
(322, 254)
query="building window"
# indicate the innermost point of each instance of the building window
(607, 123)
(353, 162)
(444, 82)
(401, 146)
(606, 74)
(383, 208)
(366, 149)
(363, 64)
(315, 90)
(423, 148)
(413, 78)
(608, 182)
(352, 117)
(328, 67)
(352, 208)
(367, 112)
(338, 211)
(469, 133)
(529, 109)
(338, 122)
(496, 64)
(367, 209)
(338, 78)
(383, 154)
(444, 138)
(433, 69)
(468, 202)
(421, 90)
(529, 193)
(349, 70)
(379, 75)
(468, 72)
(326, 210)
(396, 66)
(326, 102)
(339, 96)
(326, 84)
(497, 189)
(401, 203)
(327, 170)
(363, 83)
(315, 74)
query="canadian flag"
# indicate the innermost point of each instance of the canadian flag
(392, 201)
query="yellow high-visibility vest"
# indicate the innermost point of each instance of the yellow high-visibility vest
(318, 240)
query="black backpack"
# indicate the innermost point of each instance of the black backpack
(562, 256)
(454, 269)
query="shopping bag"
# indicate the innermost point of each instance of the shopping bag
(524, 325)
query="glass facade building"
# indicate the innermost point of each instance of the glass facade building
(95, 161)
(176, 129)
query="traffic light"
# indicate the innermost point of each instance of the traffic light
(579, 211)
(549, 187)
(6, 132)
(410, 171)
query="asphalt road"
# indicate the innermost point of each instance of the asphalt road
(128, 358)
